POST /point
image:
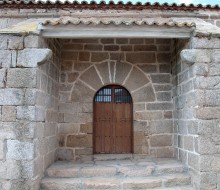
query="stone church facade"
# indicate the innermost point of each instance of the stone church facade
(55, 59)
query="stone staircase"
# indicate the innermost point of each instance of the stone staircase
(117, 172)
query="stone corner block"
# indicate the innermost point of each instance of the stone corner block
(33, 57)
(18, 150)
(191, 56)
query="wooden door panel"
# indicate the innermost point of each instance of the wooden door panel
(113, 120)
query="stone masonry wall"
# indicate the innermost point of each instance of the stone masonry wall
(204, 62)
(27, 128)
(140, 65)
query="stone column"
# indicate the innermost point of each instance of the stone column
(19, 114)
(204, 161)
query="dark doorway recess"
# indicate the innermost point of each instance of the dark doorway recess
(113, 133)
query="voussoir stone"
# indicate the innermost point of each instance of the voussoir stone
(122, 70)
(33, 57)
(136, 79)
(91, 77)
(82, 93)
(104, 72)
(145, 94)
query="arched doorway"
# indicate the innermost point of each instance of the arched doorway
(113, 120)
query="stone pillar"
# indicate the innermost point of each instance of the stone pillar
(20, 117)
(204, 65)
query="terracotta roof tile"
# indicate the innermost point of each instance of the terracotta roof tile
(117, 21)
(101, 5)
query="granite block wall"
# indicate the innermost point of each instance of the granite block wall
(28, 102)
(143, 66)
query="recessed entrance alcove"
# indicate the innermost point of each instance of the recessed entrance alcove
(95, 71)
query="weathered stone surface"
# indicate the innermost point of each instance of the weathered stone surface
(102, 183)
(97, 171)
(32, 41)
(122, 70)
(18, 150)
(103, 69)
(141, 57)
(164, 126)
(159, 106)
(142, 183)
(11, 96)
(65, 154)
(79, 141)
(2, 77)
(9, 170)
(163, 58)
(68, 128)
(84, 151)
(160, 78)
(161, 140)
(86, 128)
(177, 180)
(145, 94)
(33, 57)
(193, 55)
(8, 113)
(84, 56)
(136, 171)
(61, 184)
(16, 42)
(2, 150)
(148, 68)
(5, 58)
(148, 115)
(99, 56)
(207, 113)
(205, 43)
(91, 77)
(82, 93)
(3, 42)
(136, 79)
(24, 77)
(163, 96)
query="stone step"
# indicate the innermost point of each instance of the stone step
(126, 168)
(177, 182)
(105, 157)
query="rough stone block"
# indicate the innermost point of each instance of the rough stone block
(102, 183)
(26, 112)
(142, 183)
(148, 68)
(32, 41)
(16, 42)
(10, 170)
(79, 141)
(33, 57)
(68, 128)
(5, 58)
(65, 154)
(161, 78)
(122, 70)
(163, 96)
(207, 113)
(21, 77)
(145, 94)
(92, 78)
(160, 140)
(3, 42)
(163, 126)
(205, 43)
(136, 80)
(163, 58)
(2, 150)
(148, 115)
(83, 151)
(194, 55)
(215, 56)
(11, 96)
(159, 106)
(141, 57)
(111, 48)
(18, 150)
(205, 145)
(100, 56)
(86, 128)
(2, 78)
(8, 113)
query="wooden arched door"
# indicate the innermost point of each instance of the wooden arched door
(113, 120)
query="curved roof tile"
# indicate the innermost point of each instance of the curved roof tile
(102, 5)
